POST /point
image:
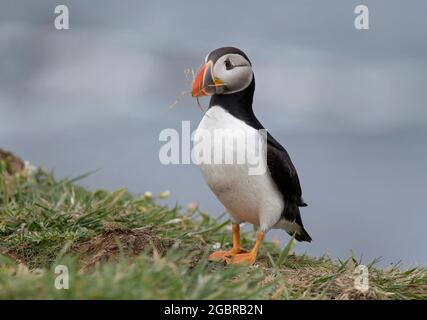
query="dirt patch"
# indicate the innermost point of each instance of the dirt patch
(12, 255)
(12, 163)
(109, 245)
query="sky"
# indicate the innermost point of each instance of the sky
(349, 105)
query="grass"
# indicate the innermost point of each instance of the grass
(117, 245)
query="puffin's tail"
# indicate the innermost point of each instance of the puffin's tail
(302, 235)
(291, 213)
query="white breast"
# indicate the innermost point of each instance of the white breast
(248, 198)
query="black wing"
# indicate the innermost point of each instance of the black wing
(286, 178)
(283, 172)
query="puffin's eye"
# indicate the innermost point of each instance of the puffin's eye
(228, 65)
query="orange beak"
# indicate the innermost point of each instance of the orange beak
(198, 86)
(205, 83)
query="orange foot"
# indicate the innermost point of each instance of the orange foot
(224, 255)
(243, 258)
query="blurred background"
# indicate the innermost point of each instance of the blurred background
(349, 105)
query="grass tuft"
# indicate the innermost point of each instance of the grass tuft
(117, 245)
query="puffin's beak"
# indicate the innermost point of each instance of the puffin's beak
(204, 84)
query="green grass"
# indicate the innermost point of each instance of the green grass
(118, 245)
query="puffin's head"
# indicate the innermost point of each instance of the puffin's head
(227, 70)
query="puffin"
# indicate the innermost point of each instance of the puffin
(268, 200)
